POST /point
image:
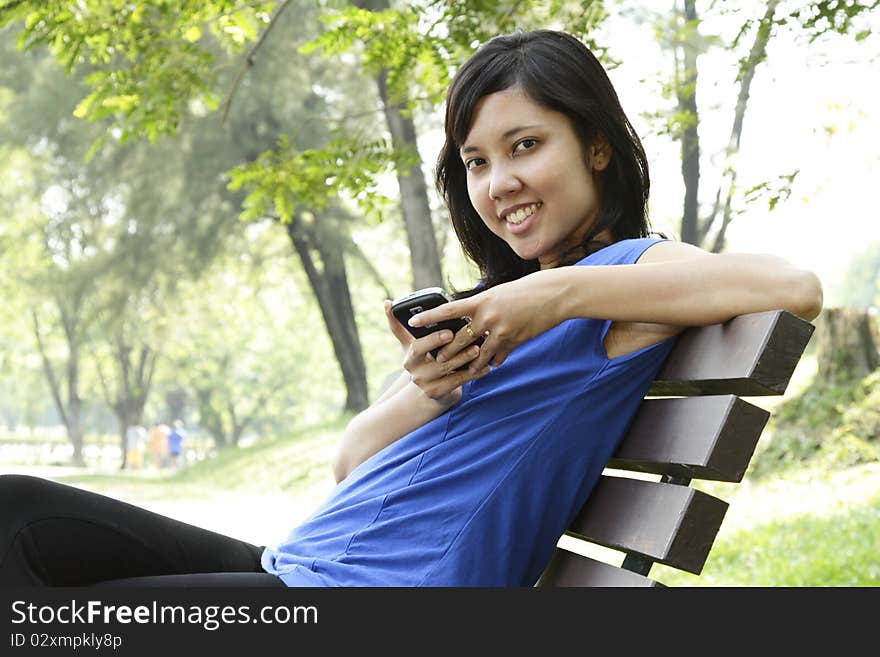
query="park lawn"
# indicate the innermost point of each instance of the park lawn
(284, 464)
(808, 528)
(804, 550)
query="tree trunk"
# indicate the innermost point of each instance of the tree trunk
(74, 403)
(134, 380)
(69, 412)
(846, 345)
(75, 430)
(330, 286)
(686, 89)
(211, 419)
(414, 206)
(693, 229)
(175, 402)
(756, 55)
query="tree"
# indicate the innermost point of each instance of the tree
(410, 50)
(132, 361)
(152, 62)
(68, 238)
(414, 206)
(241, 345)
(97, 249)
(846, 348)
(706, 224)
(147, 86)
(682, 36)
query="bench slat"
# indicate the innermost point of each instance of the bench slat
(750, 355)
(710, 437)
(569, 569)
(671, 524)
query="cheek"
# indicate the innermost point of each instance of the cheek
(479, 196)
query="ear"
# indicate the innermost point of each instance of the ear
(600, 153)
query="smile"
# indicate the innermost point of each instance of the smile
(522, 214)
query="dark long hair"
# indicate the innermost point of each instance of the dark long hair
(559, 72)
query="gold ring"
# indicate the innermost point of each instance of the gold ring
(470, 331)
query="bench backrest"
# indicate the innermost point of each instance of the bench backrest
(692, 425)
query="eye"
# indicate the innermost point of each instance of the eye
(474, 162)
(525, 144)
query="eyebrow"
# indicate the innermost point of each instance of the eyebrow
(507, 134)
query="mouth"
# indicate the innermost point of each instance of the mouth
(518, 214)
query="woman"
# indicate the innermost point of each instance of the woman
(469, 467)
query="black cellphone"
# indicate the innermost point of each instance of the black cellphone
(419, 301)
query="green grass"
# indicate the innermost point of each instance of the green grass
(287, 464)
(801, 550)
(832, 426)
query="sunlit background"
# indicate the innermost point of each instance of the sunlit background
(248, 322)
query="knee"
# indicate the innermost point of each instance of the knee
(25, 499)
(17, 490)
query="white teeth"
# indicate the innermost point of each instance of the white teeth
(520, 215)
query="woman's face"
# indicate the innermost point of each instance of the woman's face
(528, 176)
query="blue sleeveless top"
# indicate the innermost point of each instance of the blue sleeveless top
(480, 495)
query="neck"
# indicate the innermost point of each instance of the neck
(572, 249)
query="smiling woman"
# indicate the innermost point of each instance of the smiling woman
(519, 153)
(462, 474)
(548, 94)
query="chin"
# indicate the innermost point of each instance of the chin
(527, 253)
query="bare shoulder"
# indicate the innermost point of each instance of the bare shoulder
(669, 250)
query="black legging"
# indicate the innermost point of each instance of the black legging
(57, 535)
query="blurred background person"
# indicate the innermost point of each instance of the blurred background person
(159, 445)
(175, 444)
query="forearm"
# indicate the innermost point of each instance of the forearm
(382, 424)
(692, 292)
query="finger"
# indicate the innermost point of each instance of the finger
(499, 357)
(463, 337)
(398, 330)
(461, 359)
(451, 310)
(460, 377)
(422, 347)
(487, 355)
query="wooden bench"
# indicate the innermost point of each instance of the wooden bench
(692, 425)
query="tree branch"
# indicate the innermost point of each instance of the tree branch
(234, 10)
(248, 62)
(371, 268)
(49, 371)
(756, 56)
(105, 389)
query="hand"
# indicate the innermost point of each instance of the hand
(439, 381)
(505, 316)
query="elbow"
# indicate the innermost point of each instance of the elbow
(340, 471)
(340, 465)
(809, 296)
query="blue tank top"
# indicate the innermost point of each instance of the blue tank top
(480, 495)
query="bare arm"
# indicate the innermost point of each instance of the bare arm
(425, 390)
(672, 285)
(679, 284)
(395, 387)
(382, 424)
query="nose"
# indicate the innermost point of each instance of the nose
(502, 182)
